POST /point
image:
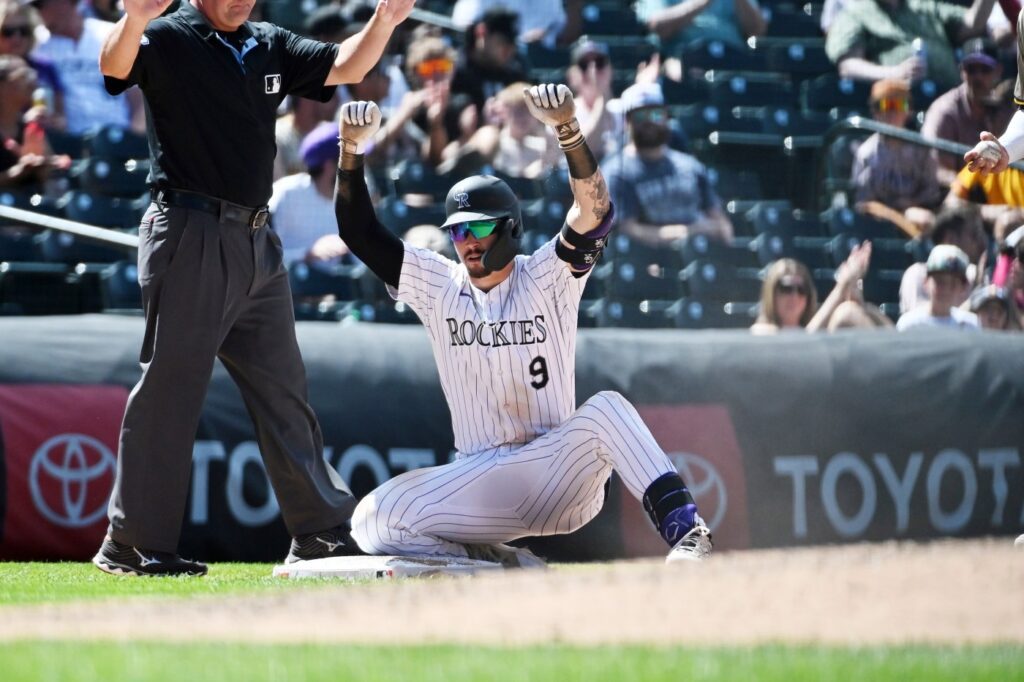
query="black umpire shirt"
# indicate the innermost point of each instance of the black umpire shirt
(212, 99)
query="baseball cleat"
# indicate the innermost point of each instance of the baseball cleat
(506, 555)
(694, 546)
(120, 559)
(335, 541)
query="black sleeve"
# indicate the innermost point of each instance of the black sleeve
(307, 65)
(358, 227)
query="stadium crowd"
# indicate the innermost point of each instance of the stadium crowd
(713, 120)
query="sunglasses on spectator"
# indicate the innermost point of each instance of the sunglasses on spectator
(788, 289)
(652, 115)
(599, 60)
(892, 104)
(11, 31)
(434, 67)
(478, 228)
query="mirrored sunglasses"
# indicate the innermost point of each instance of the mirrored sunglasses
(434, 67)
(479, 229)
(892, 104)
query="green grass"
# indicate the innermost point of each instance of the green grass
(36, 582)
(104, 663)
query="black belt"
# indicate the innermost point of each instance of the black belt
(225, 210)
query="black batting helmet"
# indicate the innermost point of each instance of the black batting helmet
(485, 197)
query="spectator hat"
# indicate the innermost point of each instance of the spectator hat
(586, 47)
(948, 258)
(642, 95)
(889, 88)
(979, 51)
(320, 145)
(983, 295)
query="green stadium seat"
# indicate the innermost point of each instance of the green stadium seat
(115, 142)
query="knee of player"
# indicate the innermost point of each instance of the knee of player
(606, 399)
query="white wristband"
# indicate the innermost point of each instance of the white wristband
(1013, 138)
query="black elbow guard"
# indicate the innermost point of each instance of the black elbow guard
(585, 251)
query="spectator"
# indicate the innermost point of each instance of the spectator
(18, 25)
(25, 157)
(960, 227)
(660, 194)
(874, 39)
(302, 205)
(999, 196)
(788, 298)
(1009, 271)
(679, 22)
(969, 109)
(994, 308)
(540, 21)
(589, 76)
(947, 286)
(303, 115)
(489, 60)
(896, 174)
(74, 49)
(105, 10)
(517, 144)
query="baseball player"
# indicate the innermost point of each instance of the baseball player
(993, 154)
(503, 331)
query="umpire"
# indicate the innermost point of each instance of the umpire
(213, 283)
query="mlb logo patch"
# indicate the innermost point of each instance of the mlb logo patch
(272, 83)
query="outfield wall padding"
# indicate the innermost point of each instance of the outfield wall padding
(787, 440)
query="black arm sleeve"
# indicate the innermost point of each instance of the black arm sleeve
(359, 228)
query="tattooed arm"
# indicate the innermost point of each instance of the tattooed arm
(553, 105)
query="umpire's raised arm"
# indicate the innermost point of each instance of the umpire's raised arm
(358, 226)
(590, 216)
(358, 54)
(117, 55)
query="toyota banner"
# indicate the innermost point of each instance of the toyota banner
(786, 440)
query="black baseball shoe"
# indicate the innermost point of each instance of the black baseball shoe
(120, 559)
(335, 541)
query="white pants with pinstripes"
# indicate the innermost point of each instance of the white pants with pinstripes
(550, 486)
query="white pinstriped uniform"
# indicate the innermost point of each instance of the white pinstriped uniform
(527, 463)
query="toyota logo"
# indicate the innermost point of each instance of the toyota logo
(72, 465)
(705, 484)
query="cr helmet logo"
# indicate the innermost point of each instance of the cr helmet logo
(70, 479)
(463, 199)
(705, 484)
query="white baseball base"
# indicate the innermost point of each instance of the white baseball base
(383, 567)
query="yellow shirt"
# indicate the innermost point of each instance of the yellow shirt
(998, 189)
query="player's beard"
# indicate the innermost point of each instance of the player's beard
(475, 267)
(651, 136)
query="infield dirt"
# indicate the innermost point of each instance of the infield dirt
(948, 592)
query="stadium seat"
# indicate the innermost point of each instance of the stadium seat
(846, 220)
(115, 142)
(794, 22)
(733, 184)
(103, 211)
(60, 247)
(882, 285)
(832, 92)
(715, 55)
(109, 176)
(526, 189)
(540, 56)
(700, 120)
(698, 246)
(399, 216)
(341, 281)
(119, 286)
(602, 19)
(694, 312)
(734, 88)
(631, 281)
(626, 51)
(640, 254)
(634, 314)
(416, 177)
(715, 281)
(18, 244)
(801, 58)
(63, 142)
(41, 289)
(687, 91)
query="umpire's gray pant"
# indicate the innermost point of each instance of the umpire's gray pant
(215, 288)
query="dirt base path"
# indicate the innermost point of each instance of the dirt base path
(950, 592)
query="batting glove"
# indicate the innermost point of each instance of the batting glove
(360, 121)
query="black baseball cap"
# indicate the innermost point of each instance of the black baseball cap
(479, 197)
